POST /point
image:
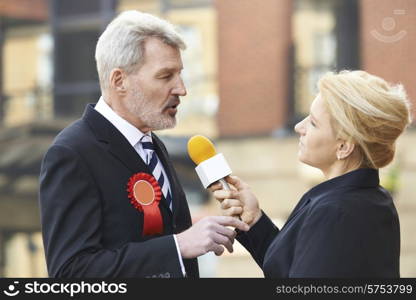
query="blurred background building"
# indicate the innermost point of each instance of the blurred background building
(251, 70)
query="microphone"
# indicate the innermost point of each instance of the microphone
(211, 166)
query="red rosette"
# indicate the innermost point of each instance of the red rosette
(145, 194)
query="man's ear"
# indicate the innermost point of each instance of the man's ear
(117, 80)
(344, 149)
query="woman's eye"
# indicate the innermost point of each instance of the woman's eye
(312, 122)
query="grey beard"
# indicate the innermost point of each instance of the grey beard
(148, 114)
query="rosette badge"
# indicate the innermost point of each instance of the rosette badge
(145, 194)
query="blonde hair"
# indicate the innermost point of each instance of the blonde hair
(367, 111)
(121, 45)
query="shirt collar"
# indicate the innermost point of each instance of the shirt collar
(130, 132)
(364, 177)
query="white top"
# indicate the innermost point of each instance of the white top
(133, 136)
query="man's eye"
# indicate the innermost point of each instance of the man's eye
(167, 76)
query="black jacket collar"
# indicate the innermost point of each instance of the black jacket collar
(116, 143)
(357, 178)
(360, 178)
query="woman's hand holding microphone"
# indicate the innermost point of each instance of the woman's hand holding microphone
(237, 202)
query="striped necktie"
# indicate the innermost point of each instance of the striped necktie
(156, 168)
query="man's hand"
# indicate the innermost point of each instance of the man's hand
(209, 234)
(240, 201)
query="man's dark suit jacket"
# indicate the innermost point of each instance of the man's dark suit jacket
(89, 226)
(345, 227)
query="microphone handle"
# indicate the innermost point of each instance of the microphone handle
(226, 187)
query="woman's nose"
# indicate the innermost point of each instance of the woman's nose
(300, 128)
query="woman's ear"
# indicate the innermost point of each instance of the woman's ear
(344, 149)
(117, 81)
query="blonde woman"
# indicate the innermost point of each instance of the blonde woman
(346, 226)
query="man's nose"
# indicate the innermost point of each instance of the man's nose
(180, 88)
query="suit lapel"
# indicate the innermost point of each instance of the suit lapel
(122, 150)
(130, 158)
(115, 142)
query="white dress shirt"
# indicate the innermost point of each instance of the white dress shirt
(133, 136)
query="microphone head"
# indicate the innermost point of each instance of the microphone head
(200, 149)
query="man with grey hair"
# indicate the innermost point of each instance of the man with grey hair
(111, 202)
